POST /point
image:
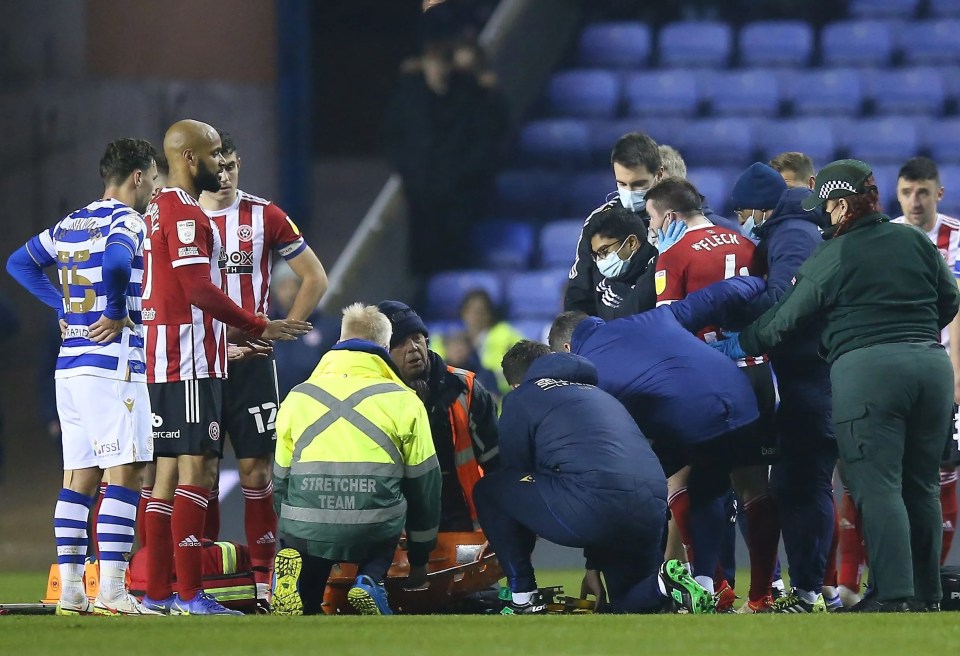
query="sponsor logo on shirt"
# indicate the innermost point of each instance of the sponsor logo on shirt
(660, 281)
(245, 233)
(188, 251)
(187, 231)
(149, 314)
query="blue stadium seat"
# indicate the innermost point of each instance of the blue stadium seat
(883, 8)
(533, 329)
(562, 143)
(713, 185)
(881, 140)
(776, 43)
(857, 43)
(440, 328)
(813, 137)
(907, 91)
(584, 93)
(931, 42)
(945, 8)
(663, 93)
(587, 191)
(950, 181)
(446, 290)
(623, 44)
(942, 140)
(828, 91)
(558, 242)
(746, 93)
(503, 243)
(536, 294)
(951, 81)
(695, 43)
(716, 142)
(885, 176)
(533, 193)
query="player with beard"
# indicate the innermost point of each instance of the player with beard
(463, 416)
(186, 314)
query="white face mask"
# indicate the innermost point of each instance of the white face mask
(611, 265)
(632, 199)
(653, 237)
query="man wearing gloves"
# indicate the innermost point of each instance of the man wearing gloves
(355, 465)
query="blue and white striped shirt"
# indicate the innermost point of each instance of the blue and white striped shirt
(76, 246)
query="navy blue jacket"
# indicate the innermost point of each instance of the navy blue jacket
(557, 422)
(673, 384)
(716, 219)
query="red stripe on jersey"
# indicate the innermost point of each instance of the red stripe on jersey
(245, 226)
(943, 237)
(174, 352)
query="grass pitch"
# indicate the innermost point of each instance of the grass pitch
(682, 635)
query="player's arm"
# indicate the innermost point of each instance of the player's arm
(954, 332)
(715, 304)
(786, 255)
(800, 305)
(126, 236)
(292, 247)
(26, 265)
(580, 294)
(516, 438)
(670, 279)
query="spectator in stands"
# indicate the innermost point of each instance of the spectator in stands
(458, 352)
(636, 167)
(297, 359)
(796, 168)
(675, 167)
(802, 479)
(490, 335)
(463, 415)
(443, 136)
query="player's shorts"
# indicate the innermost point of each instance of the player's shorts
(186, 417)
(104, 422)
(951, 453)
(761, 446)
(250, 405)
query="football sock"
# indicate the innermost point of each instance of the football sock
(679, 504)
(189, 512)
(851, 545)
(116, 523)
(763, 541)
(948, 502)
(520, 598)
(211, 526)
(707, 521)
(142, 515)
(706, 582)
(70, 529)
(160, 552)
(94, 514)
(830, 574)
(261, 528)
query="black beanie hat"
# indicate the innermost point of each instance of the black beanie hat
(404, 319)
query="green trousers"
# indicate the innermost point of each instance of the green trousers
(892, 409)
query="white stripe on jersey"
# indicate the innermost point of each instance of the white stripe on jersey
(160, 371)
(256, 222)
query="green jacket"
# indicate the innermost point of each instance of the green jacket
(355, 460)
(878, 283)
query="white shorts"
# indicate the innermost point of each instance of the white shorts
(104, 422)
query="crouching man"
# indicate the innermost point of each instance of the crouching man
(577, 471)
(355, 463)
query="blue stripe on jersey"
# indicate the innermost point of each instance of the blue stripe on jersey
(88, 360)
(39, 253)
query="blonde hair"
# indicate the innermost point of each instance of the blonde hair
(366, 322)
(673, 164)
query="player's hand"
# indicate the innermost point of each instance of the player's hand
(104, 330)
(248, 350)
(730, 346)
(670, 233)
(63, 329)
(285, 329)
(416, 579)
(593, 585)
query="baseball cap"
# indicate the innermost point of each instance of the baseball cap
(843, 177)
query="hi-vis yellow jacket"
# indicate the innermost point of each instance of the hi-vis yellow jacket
(355, 460)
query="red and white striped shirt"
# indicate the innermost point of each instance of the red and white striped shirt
(250, 230)
(182, 342)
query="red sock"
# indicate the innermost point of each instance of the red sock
(830, 573)
(679, 503)
(763, 542)
(189, 512)
(211, 526)
(156, 522)
(851, 545)
(142, 515)
(94, 513)
(261, 525)
(948, 502)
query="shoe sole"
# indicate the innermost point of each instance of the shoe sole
(71, 612)
(363, 602)
(112, 612)
(687, 592)
(286, 598)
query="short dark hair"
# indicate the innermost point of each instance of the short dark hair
(919, 168)
(518, 359)
(675, 194)
(794, 161)
(561, 332)
(227, 145)
(635, 149)
(615, 221)
(123, 157)
(482, 294)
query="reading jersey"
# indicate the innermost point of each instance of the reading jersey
(250, 230)
(704, 255)
(76, 245)
(183, 342)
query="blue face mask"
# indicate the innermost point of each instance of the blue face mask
(747, 227)
(633, 199)
(611, 265)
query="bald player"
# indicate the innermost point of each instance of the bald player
(186, 314)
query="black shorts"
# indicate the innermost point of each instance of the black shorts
(759, 445)
(250, 406)
(186, 417)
